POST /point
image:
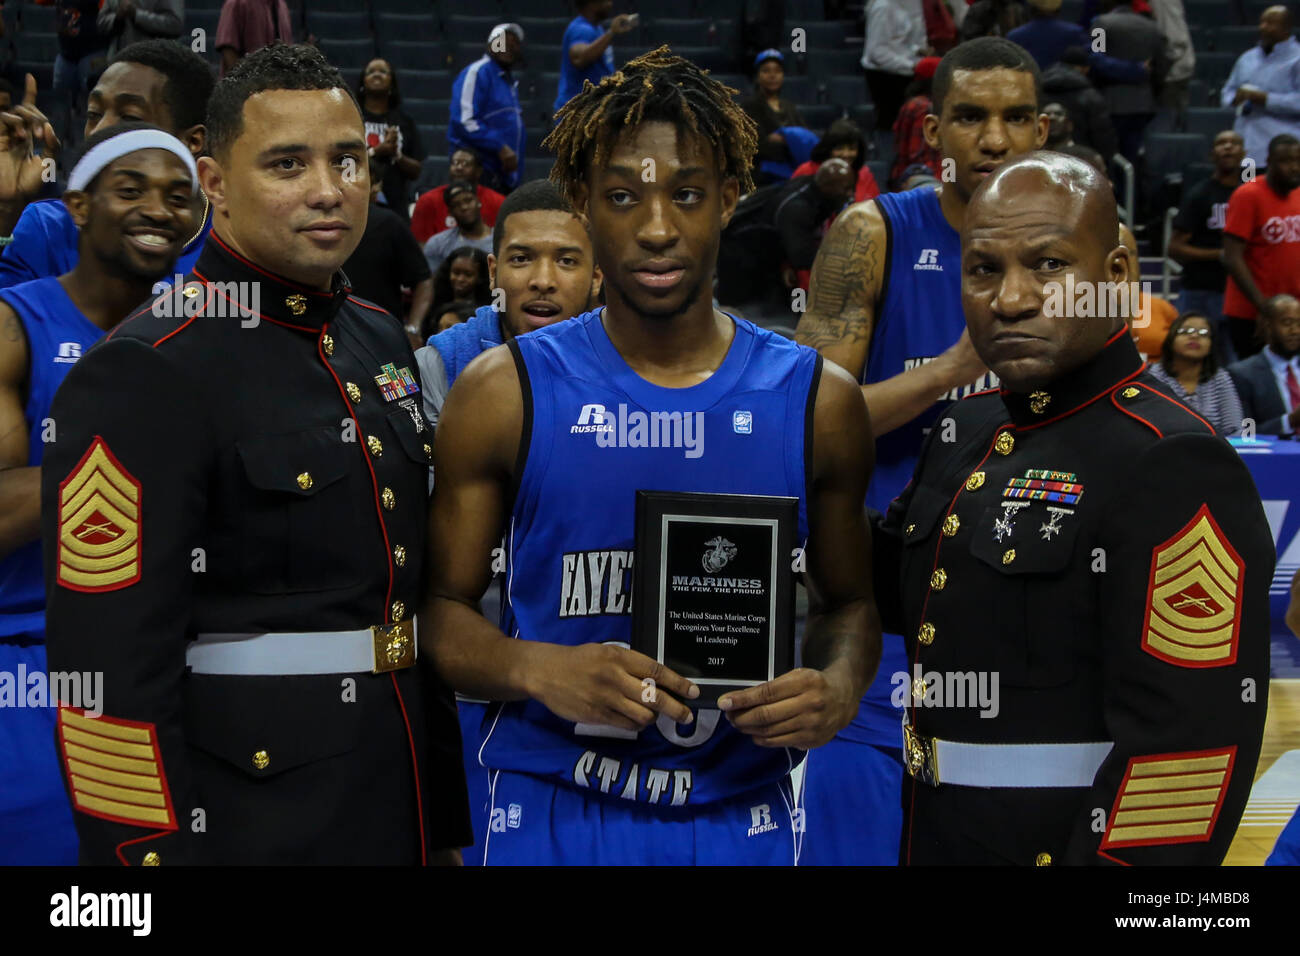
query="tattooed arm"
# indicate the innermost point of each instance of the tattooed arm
(843, 299)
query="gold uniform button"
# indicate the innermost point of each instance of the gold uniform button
(151, 859)
(1043, 859)
(261, 760)
(399, 610)
(304, 480)
(975, 481)
(375, 445)
(428, 450)
(1130, 392)
(354, 393)
(1004, 444)
(918, 688)
(950, 525)
(939, 579)
(1038, 402)
(926, 634)
(189, 292)
(911, 529)
(389, 499)
(1008, 556)
(399, 556)
(327, 343)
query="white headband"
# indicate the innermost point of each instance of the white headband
(114, 148)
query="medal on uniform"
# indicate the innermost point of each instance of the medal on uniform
(395, 383)
(1053, 525)
(1004, 526)
(1043, 484)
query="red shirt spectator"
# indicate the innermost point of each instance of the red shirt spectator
(910, 146)
(1269, 225)
(248, 25)
(866, 188)
(431, 215)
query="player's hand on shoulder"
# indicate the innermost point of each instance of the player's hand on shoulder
(961, 362)
(611, 685)
(802, 708)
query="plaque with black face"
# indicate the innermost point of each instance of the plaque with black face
(713, 589)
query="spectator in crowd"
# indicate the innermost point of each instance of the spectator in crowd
(1153, 316)
(79, 59)
(1171, 18)
(1060, 130)
(1269, 381)
(767, 108)
(910, 147)
(1130, 36)
(993, 18)
(776, 232)
(587, 52)
(156, 81)
(1265, 85)
(1046, 36)
(843, 140)
(464, 275)
(452, 313)
(486, 117)
(470, 230)
(1188, 368)
(1197, 239)
(391, 136)
(1067, 83)
(387, 259)
(1261, 242)
(126, 21)
(431, 216)
(249, 25)
(896, 39)
(917, 176)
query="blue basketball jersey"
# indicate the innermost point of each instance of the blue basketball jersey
(57, 335)
(595, 433)
(920, 316)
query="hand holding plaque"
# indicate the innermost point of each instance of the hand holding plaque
(714, 588)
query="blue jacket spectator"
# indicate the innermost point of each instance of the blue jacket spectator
(1046, 36)
(485, 113)
(587, 52)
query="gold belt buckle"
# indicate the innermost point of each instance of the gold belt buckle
(919, 755)
(394, 646)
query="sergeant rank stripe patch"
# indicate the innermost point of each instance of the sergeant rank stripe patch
(1170, 798)
(1194, 597)
(114, 769)
(99, 524)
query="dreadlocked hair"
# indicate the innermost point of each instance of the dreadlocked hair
(655, 87)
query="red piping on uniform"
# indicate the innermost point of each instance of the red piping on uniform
(372, 308)
(415, 765)
(242, 307)
(1070, 411)
(925, 604)
(1112, 859)
(270, 275)
(147, 836)
(1171, 402)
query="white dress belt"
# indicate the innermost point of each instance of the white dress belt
(385, 647)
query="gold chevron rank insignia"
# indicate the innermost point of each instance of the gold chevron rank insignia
(1170, 798)
(114, 769)
(99, 524)
(1194, 597)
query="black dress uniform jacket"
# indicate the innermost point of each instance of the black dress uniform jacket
(225, 473)
(1101, 561)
